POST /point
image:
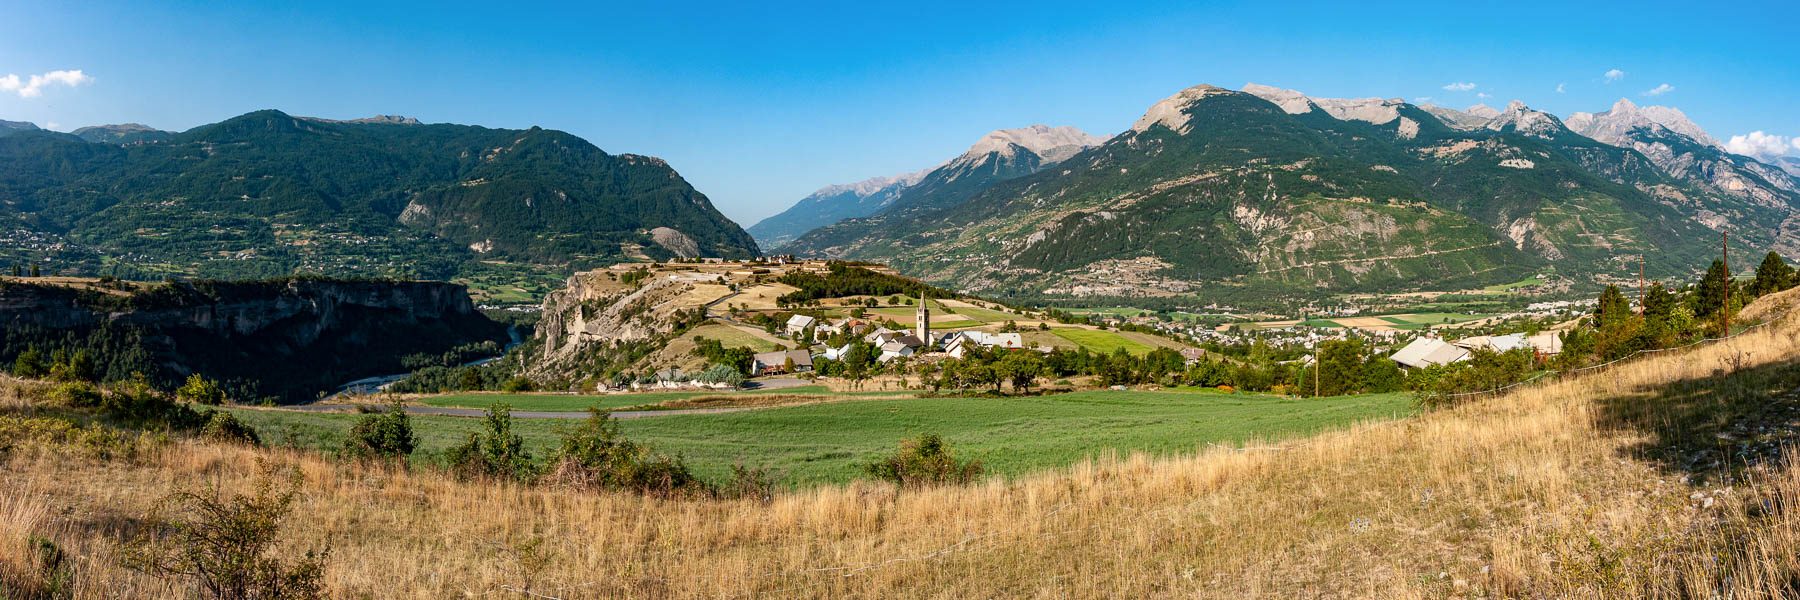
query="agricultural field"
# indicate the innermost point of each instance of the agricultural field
(1104, 342)
(580, 402)
(1507, 287)
(733, 336)
(826, 443)
(1404, 322)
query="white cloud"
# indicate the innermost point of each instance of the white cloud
(1559, 87)
(33, 86)
(1613, 75)
(1482, 95)
(1759, 143)
(53, 126)
(1659, 90)
(1422, 100)
(1461, 86)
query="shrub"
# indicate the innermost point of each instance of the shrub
(496, 452)
(224, 427)
(385, 435)
(76, 395)
(924, 461)
(594, 455)
(200, 390)
(63, 436)
(225, 546)
(136, 403)
(518, 384)
(748, 483)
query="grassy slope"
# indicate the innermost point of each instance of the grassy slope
(1104, 342)
(1582, 488)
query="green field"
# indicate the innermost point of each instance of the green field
(1507, 287)
(825, 443)
(732, 337)
(1432, 318)
(580, 402)
(1104, 342)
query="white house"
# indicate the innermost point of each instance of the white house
(893, 350)
(1428, 351)
(797, 324)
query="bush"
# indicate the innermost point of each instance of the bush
(64, 437)
(226, 545)
(136, 403)
(76, 395)
(496, 452)
(594, 455)
(224, 427)
(200, 390)
(383, 436)
(30, 364)
(924, 461)
(517, 384)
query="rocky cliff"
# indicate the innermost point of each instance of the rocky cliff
(285, 338)
(599, 323)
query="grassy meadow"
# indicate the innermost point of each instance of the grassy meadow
(825, 443)
(1104, 342)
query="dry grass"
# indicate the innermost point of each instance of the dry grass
(1582, 488)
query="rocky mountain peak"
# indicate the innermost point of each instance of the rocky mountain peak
(1613, 125)
(1171, 112)
(1050, 143)
(1372, 110)
(1523, 120)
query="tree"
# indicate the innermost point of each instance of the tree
(1613, 308)
(34, 270)
(29, 364)
(1340, 368)
(1021, 369)
(787, 365)
(1773, 275)
(200, 390)
(1714, 288)
(1380, 374)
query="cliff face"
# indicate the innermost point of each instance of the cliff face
(288, 339)
(591, 324)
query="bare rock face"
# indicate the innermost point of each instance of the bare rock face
(594, 311)
(675, 241)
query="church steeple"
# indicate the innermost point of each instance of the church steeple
(924, 321)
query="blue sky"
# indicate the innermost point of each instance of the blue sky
(759, 106)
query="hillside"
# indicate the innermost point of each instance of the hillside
(267, 194)
(1231, 195)
(997, 156)
(285, 339)
(1666, 476)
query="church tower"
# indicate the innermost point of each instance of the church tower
(924, 321)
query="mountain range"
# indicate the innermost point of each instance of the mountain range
(267, 193)
(1232, 194)
(998, 155)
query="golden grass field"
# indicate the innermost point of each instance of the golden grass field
(1596, 486)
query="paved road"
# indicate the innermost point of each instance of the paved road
(446, 411)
